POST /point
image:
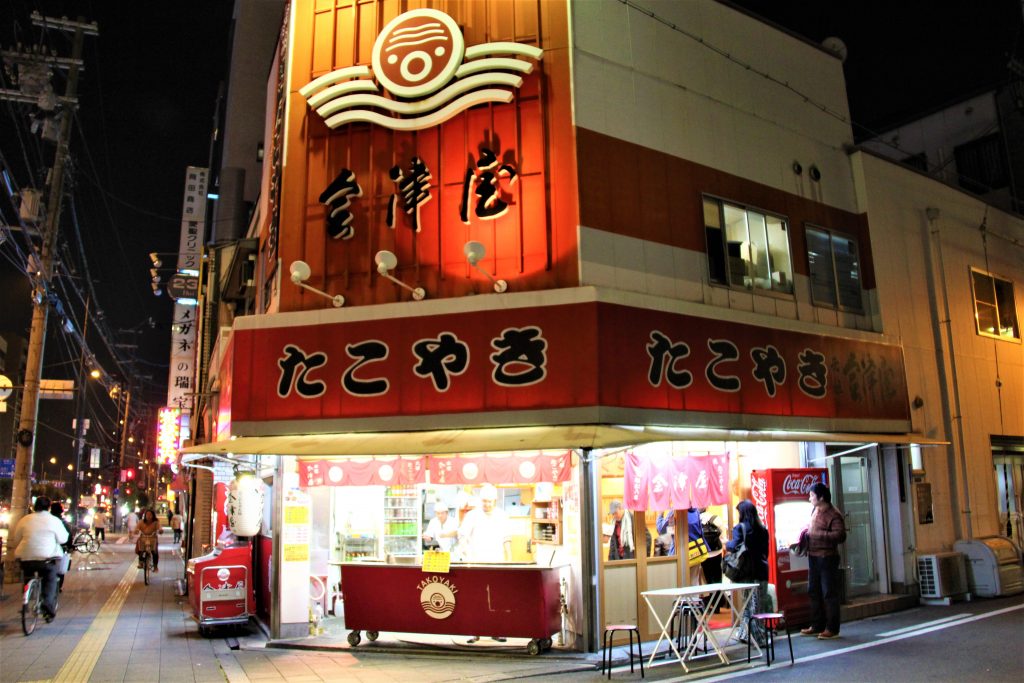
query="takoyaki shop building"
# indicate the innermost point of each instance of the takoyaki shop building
(437, 194)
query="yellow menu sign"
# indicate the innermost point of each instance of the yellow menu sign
(436, 561)
(296, 514)
(295, 552)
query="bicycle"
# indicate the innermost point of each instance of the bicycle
(32, 602)
(146, 556)
(85, 542)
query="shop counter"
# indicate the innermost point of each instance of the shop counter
(487, 600)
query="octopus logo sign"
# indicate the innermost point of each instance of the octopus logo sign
(437, 597)
(420, 57)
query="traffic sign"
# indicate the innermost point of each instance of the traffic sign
(6, 387)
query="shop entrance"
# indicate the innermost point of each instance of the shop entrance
(852, 487)
(1010, 484)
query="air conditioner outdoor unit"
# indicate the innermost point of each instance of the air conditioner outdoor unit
(942, 576)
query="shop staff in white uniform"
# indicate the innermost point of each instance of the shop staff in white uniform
(484, 534)
(442, 529)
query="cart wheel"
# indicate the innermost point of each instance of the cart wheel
(354, 638)
(533, 647)
(372, 636)
(545, 644)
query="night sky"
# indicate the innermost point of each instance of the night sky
(907, 57)
(148, 96)
(147, 100)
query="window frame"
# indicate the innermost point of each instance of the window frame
(992, 277)
(721, 203)
(838, 305)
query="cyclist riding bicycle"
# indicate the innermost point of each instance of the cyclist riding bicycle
(36, 541)
(148, 529)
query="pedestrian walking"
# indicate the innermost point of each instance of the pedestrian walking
(99, 524)
(131, 523)
(826, 531)
(176, 526)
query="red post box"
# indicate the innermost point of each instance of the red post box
(220, 587)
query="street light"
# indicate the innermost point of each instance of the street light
(42, 469)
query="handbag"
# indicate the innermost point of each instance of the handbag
(696, 551)
(63, 564)
(712, 534)
(738, 565)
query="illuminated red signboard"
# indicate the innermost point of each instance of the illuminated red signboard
(168, 435)
(561, 356)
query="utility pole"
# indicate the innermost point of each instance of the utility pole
(37, 336)
(80, 399)
(119, 485)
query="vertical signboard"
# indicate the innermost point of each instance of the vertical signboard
(295, 535)
(193, 217)
(181, 376)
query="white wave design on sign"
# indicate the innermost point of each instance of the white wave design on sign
(420, 56)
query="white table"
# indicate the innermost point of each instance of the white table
(691, 595)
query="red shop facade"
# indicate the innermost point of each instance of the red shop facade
(440, 195)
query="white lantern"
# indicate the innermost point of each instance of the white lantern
(245, 505)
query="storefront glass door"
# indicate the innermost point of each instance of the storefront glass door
(1010, 485)
(851, 493)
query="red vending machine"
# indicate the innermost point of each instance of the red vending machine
(781, 500)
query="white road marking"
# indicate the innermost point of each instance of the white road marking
(852, 648)
(926, 624)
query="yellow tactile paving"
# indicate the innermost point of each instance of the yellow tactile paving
(83, 658)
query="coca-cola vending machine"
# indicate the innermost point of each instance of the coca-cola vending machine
(781, 500)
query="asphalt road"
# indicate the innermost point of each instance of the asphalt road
(982, 640)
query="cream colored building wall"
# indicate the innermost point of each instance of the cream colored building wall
(903, 240)
(706, 83)
(638, 79)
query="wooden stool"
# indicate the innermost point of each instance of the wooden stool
(606, 651)
(771, 624)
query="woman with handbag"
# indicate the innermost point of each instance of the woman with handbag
(747, 562)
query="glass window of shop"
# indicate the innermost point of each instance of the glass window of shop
(647, 549)
(397, 523)
(523, 523)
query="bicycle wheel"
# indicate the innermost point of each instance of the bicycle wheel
(93, 545)
(30, 606)
(145, 567)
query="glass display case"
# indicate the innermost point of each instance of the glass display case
(401, 521)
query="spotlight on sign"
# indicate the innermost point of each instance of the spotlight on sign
(386, 262)
(300, 272)
(474, 252)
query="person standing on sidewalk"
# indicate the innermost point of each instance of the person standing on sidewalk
(37, 541)
(99, 524)
(750, 533)
(826, 531)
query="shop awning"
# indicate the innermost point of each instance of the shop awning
(516, 439)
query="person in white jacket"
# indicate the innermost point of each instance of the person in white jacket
(37, 544)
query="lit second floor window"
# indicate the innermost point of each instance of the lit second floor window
(833, 261)
(747, 248)
(995, 309)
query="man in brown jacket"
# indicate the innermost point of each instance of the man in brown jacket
(826, 532)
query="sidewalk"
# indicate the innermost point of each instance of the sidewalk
(112, 627)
